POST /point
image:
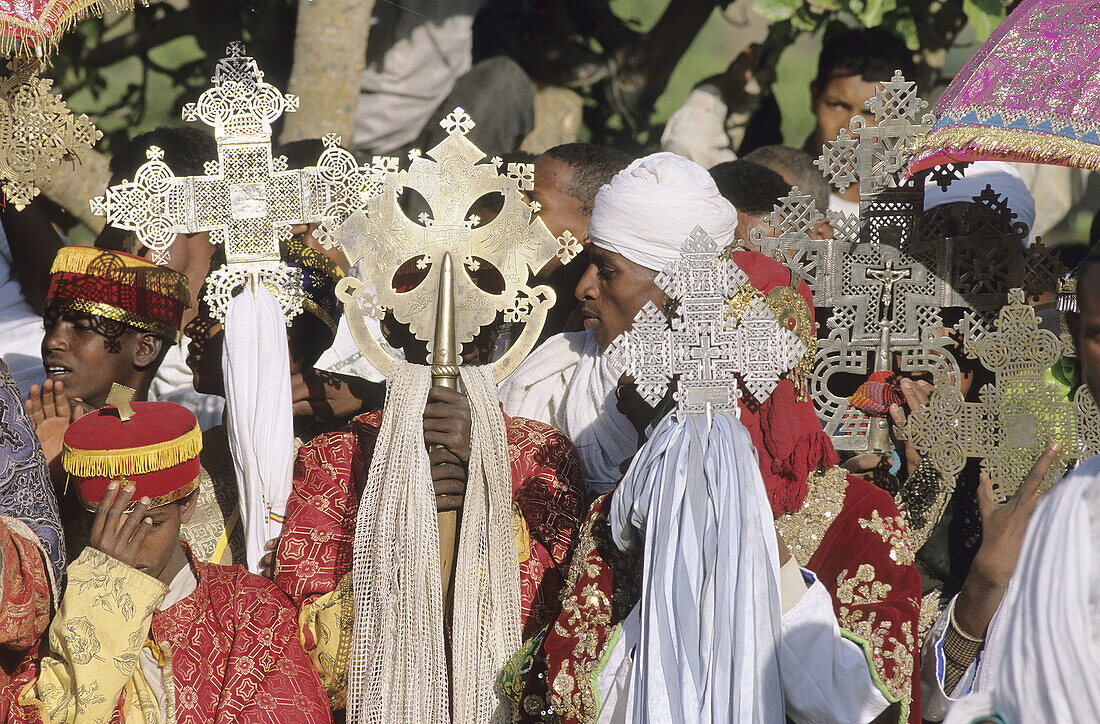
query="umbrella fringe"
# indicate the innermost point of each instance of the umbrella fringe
(22, 38)
(971, 143)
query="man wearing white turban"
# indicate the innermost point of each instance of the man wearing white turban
(638, 224)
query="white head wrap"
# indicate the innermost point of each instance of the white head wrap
(652, 205)
(1004, 179)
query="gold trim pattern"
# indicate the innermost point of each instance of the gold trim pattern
(1008, 144)
(115, 314)
(892, 530)
(804, 530)
(177, 494)
(862, 589)
(125, 270)
(113, 462)
(572, 694)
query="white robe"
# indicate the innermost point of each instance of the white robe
(21, 329)
(1041, 660)
(567, 382)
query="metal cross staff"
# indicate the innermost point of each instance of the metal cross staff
(709, 352)
(247, 200)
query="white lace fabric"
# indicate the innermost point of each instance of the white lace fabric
(398, 669)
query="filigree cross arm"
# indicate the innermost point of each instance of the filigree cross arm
(709, 353)
(37, 132)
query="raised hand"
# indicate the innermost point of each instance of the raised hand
(916, 393)
(114, 531)
(1003, 529)
(447, 433)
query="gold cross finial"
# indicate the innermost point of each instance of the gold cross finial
(120, 397)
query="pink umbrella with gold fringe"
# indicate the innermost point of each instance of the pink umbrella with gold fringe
(33, 27)
(1030, 94)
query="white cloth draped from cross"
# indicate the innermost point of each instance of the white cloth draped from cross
(709, 613)
(398, 668)
(568, 383)
(1041, 661)
(259, 415)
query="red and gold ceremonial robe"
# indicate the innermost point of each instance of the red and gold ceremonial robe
(25, 605)
(848, 533)
(314, 558)
(229, 651)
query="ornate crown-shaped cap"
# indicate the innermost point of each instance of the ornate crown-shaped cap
(156, 450)
(121, 287)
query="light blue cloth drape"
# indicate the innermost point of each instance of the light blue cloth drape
(710, 610)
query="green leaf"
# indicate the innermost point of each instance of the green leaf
(870, 12)
(777, 10)
(984, 15)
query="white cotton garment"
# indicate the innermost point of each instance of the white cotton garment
(259, 415)
(650, 207)
(20, 328)
(1041, 661)
(709, 616)
(176, 383)
(568, 383)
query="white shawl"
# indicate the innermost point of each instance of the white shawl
(1041, 661)
(568, 383)
(259, 415)
(709, 612)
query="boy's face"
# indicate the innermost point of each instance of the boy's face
(835, 103)
(204, 351)
(88, 353)
(163, 540)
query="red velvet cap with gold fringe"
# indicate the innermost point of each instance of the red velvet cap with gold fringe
(156, 450)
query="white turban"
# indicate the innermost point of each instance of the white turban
(1004, 179)
(651, 207)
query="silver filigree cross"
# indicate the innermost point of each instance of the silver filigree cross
(710, 354)
(247, 200)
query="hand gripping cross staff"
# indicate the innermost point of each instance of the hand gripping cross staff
(406, 560)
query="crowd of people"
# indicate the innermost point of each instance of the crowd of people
(613, 560)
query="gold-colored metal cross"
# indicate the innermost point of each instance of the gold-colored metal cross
(120, 396)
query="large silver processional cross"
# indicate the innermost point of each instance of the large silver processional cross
(247, 200)
(709, 353)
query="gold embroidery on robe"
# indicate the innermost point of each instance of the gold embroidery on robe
(804, 530)
(863, 589)
(894, 531)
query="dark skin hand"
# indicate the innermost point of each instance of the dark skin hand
(117, 533)
(447, 425)
(1003, 529)
(51, 413)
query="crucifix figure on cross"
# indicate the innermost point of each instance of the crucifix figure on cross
(248, 200)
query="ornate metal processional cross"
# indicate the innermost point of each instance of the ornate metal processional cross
(708, 351)
(450, 247)
(1016, 417)
(247, 200)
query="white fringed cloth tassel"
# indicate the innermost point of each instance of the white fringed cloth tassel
(694, 499)
(398, 668)
(259, 415)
